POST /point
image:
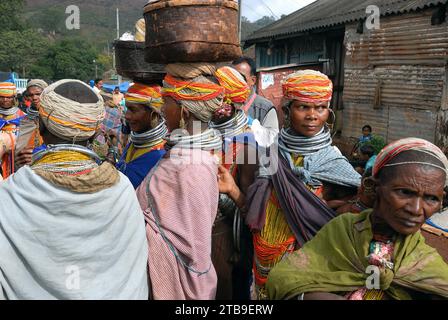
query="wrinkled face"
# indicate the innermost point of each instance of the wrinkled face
(172, 113)
(7, 102)
(413, 195)
(244, 69)
(34, 95)
(366, 132)
(307, 119)
(138, 117)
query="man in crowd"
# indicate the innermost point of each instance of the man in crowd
(117, 97)
(80, 233)
(257, 107)
(98, 86)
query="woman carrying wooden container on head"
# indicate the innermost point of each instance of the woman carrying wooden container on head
(180, 195)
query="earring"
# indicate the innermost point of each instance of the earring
(369, 186)
(334, 119)
(154, 119)
(182, 121)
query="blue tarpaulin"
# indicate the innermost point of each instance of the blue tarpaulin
(111, 87)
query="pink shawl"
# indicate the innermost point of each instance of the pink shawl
(184, 194)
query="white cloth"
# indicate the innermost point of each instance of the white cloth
(96, 90)
(265, 137)
(50, 237)
(267, 133)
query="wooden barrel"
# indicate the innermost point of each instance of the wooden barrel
(192, 31)
(130, 63)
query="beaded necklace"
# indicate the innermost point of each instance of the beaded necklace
(150, 138)
(232, 127)
(65, 159)
(32, 113)
(9, 112)
(303, 145)
(209, 140)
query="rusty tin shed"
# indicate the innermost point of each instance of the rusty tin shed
(394, 78)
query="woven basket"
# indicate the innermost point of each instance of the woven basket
(130, 59)
(192, 31)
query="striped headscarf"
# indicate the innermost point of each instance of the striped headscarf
(409, 144)
(308, 86)
(147, 95)
(236, 88)
(68, 119)
(7, 89)
(200, 95)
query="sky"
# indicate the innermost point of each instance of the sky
(256, 9)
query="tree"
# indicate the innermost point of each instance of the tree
(247, 27)
(10, 15)
(70, 59)
(20, 50)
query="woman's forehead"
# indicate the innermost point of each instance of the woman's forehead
(310, 104)
(414, 173)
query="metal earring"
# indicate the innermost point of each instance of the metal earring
(182, 121)
(369, 186)
(154, 119)
(334, 119)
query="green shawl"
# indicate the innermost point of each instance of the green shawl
(335, 260)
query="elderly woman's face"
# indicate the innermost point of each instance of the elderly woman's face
(410, 197)
(307, 119)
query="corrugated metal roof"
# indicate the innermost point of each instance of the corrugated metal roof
(326, 13)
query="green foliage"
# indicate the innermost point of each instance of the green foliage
(377, 142)
(20, 50)
(10, 15)
(69, 58)
(51, 20)
(247, 27)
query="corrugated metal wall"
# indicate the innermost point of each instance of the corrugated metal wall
(395, 77)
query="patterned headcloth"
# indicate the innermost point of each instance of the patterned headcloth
(150, 96)
(415, 144)
(37, 83)
(7, 89)
(308, 86)
(68, 119)
(200, 95)
(236, 88)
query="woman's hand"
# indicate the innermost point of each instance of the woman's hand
(227, 185)
(226, 182)
(24, 157)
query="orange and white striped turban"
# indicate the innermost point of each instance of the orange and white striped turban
(236, 88)
(69, 119)
(201, 95)
(308, 86)
(150, 96)
(190, 90)
(8, 89)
